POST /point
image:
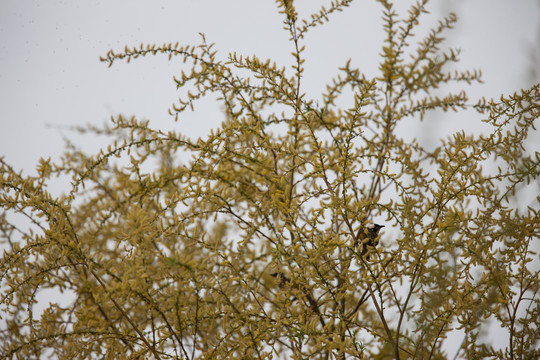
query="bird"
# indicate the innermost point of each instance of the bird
(283, 280)
(368, 237)
(285, 283)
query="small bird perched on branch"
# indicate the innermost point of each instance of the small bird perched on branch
(368, 236)
(283, 281)
(285, 284)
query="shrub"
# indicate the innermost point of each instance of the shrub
(257, 244)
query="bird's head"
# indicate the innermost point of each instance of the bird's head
(374, 227)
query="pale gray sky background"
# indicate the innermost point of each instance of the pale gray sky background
(50, 71)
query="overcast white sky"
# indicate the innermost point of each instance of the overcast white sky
(50, 71)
